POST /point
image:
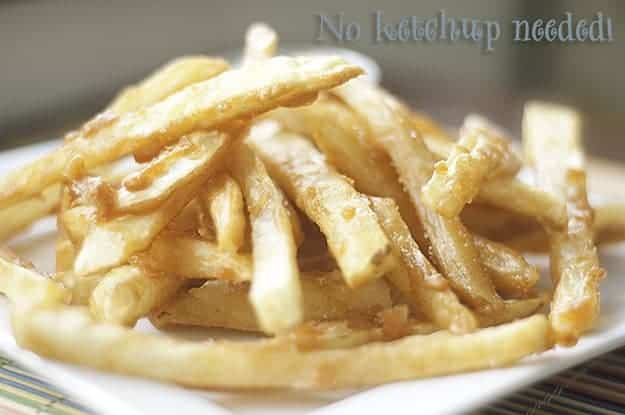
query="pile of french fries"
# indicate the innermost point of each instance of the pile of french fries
(291, 199)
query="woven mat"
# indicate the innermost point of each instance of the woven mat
(594, 388)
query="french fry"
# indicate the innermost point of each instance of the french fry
(478, 155)
(20, 215)
(510, 163)
(166, 80)
(551, 138)
(435, 137)
(271, 363)
(354, 237)
(224, 304)
(495, 223)
(79, 287)
(512, 310)
(222, 201)
(506, 192)
(202, 259)
(518, 197)
(127, 293)
(275, 293)
(189, 221)
(261, 43)
(610, 222)
(315, 335)
(174, 168)
(451, 243)
(343, 139)
(234, 94)
(128, 234)
(510, 272)
(417, 278)
(25, 287)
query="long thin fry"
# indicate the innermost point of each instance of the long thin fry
(512, 310)
(223, 202)
(510, 272)
(261, 42)
(506, 192)
(225, 304)
(19, 216)
(275, 293)
(478, 155)
(79, 287)
(235, 94)
(417, 278)
(271, 363)
(551, 136)
(340, 335)
(166, 80)
(354, 237)
(344, 140)
(128, 293)
(451, 243)
(518, 197)
(174, 168)
(189, 257)
(128, 234)
(25, 287)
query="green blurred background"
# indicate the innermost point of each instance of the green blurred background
(62, 61)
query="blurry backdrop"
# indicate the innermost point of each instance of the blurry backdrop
(61, 61)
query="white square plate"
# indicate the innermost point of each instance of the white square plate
(116, 395)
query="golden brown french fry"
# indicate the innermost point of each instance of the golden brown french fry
(435, 137)
(128, 234)
(510, 272)
(222, 201)
(275, 293)
(451, 243)
(189, 221)
(225, 304)
(235, 94)
(274, 362)
(610, 223)
(315, 335)
(511, 161)
(477, 156)
(79, 287)
(25, 287)
(127, 293)
(174, 167)
(261, 43)
(518, 197)
(19, 216)
(417, 278)
(354, 237)
(344, 140)
(495, 223)
(189, 257)
(166, 80)
(512, 310)
(551, 138)
(609, 227)
(506, 192)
